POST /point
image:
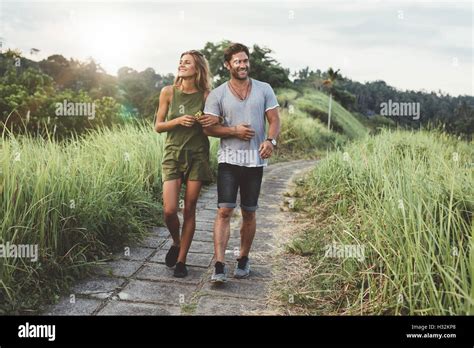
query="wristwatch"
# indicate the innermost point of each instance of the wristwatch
(273, 141)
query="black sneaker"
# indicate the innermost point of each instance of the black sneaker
(180, 271)
(220, 273)
(172, 256)
(242, 269)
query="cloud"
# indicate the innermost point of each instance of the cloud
(367, 39)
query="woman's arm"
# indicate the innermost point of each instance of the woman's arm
(208, 120)
(160, 124)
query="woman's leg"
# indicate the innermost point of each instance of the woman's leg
(171, 190)
(189, 215)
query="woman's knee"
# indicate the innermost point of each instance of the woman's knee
(189, 208)
(170, 212)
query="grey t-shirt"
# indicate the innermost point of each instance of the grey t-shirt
(222, 102)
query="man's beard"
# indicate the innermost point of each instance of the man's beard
(235, 74)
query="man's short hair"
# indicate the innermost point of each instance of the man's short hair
(233, 49)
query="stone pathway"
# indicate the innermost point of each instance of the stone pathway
(137, 282)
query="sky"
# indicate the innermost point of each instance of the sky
(417, 45)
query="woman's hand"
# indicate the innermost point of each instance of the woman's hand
(186, 120)
(208, 120)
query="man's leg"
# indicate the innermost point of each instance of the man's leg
(247, 231)
(227, 187)
(250, 183)
(222, 232)
(189, 216)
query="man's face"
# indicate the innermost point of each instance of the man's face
(239, 66)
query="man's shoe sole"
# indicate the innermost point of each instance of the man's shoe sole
(221, 281)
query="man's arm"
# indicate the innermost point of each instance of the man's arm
(273, 117)
(242, 131)
(219, 131)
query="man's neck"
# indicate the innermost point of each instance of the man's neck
(238, 82)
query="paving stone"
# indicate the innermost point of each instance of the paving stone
(256, 271)
(159, 256)
(156, 271)
(197, 246)
(203, 236)
(137, 253)
(212, 305)
(153, 242)
(237, 287)
(199, 260)
(119, 268)
(161, 232)
(97, 285)
(202, 247)
(206, 215)
(167, 293)
(81, 306)
(192, 259)
(205, 226)
(131, 308)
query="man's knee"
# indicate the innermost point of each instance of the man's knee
(224, 213)
(248, 216)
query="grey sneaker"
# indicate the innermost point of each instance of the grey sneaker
(220, 273)
(242, 268)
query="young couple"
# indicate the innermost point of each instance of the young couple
(236, 112)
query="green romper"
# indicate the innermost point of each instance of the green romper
(186, 150)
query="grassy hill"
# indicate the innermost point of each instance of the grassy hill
(391, 225)
(315, 104)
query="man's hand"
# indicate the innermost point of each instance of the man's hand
(244, 132)
(208, 120)
(266, 149)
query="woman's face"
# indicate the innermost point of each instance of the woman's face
(187, 67)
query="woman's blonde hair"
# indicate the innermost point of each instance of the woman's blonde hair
(203, 75)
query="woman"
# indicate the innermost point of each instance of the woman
(186, 151)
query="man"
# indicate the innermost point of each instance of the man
(242, 103)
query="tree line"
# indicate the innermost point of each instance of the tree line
(30, 92)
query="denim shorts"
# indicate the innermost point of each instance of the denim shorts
(232, 177)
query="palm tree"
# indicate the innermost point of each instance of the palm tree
(329, 83)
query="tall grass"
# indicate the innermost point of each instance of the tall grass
(302, 136)
(77, 201)
(406, 199)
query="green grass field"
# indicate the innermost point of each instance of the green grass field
(77, 201)
(404, 201)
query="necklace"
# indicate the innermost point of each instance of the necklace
(246, 90)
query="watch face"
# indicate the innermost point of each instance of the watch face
(274, 143)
